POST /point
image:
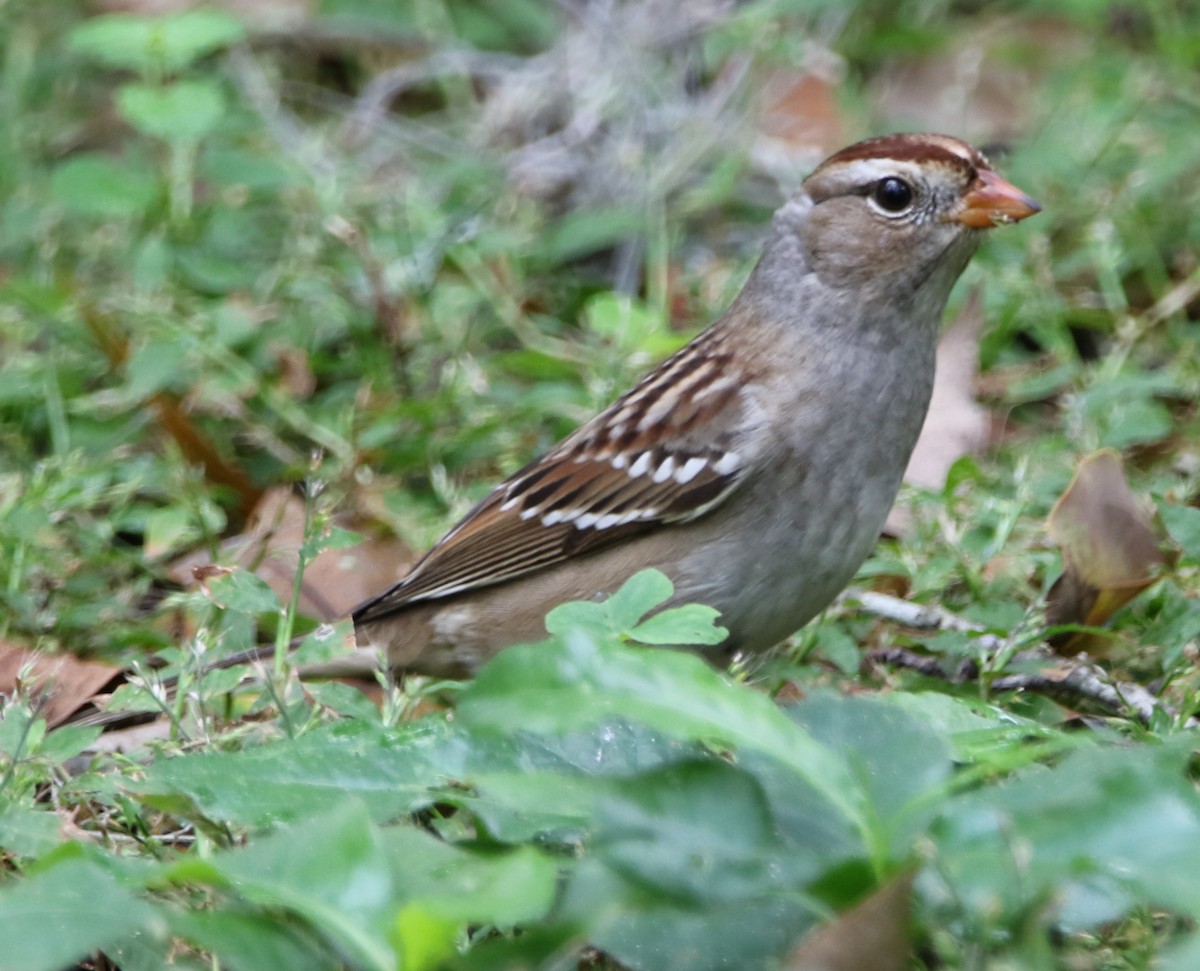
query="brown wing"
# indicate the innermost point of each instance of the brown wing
(659, 455)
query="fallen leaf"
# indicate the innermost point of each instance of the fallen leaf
(870, 936)
(977, 88)
(800, 120)
(1110, 552)
(63, 680)
(335, 581)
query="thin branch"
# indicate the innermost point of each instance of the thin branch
(1068, 680)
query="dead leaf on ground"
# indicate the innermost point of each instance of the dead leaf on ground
(334, 582)
(800, 121)
(976, 88)
(957, 424)
(1110, 552)
(66, 681)
(871, 936)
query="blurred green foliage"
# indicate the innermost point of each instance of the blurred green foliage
(395, 250)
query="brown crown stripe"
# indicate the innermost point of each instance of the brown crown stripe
(912, 148)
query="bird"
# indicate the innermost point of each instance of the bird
(756, 466)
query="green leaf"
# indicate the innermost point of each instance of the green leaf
(21, 731)
(253, 941)
(501, 888)
(325, 642)
(240, 590)
(56, 917)
(626, 322)
(392, 771)
(574, 682)
(621, 615)
(423, 940)
(67, 742)
(168, 529)
(696, 832)
(618, 613)
(25, 831)
(346, 700)
(1183, 524)
(839, 647)
(640, 594)
(148, 44)
(157, 365)
(555, 781)
(185, 111)
(897, 758)
(1106, 827)
(132, 697)
(649, 933)
(95, 186)
(329, 870)
(691, 625)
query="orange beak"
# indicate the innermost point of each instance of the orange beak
(994, 202)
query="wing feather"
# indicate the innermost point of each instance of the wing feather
(660, 455)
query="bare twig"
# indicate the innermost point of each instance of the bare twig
(1073, 680)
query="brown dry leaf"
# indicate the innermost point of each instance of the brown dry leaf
(870, 936)
(334, 582)
(1110, 552)
(976, 87)
(66, 681)
(800, 121)
(957, 424)
(295, 373)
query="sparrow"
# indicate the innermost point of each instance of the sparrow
(754, 467)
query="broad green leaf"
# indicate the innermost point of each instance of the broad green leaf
(547, 786)
(423, 940)
(97, 186)
(1183, 523)
(646, 932)
(157, 365)
(133, 697)
(575, 681)
(242, 591)
(1106, 827)
(616, 614)
(690, 625)
(1183, 955)
(392, 771)
(25, 831)
(250, 940)
(148, 44)
(839, 647)
(21, 731)
(168, 529)
(892, 754)
(50, 920)
(640, 594)
(67, 742)
(346, 700)
(697, 832)
(329, 870)
(502, 888)
(325, 642)
(621, 319)
(184, 111)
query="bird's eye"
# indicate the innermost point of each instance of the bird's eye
(892, 194)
